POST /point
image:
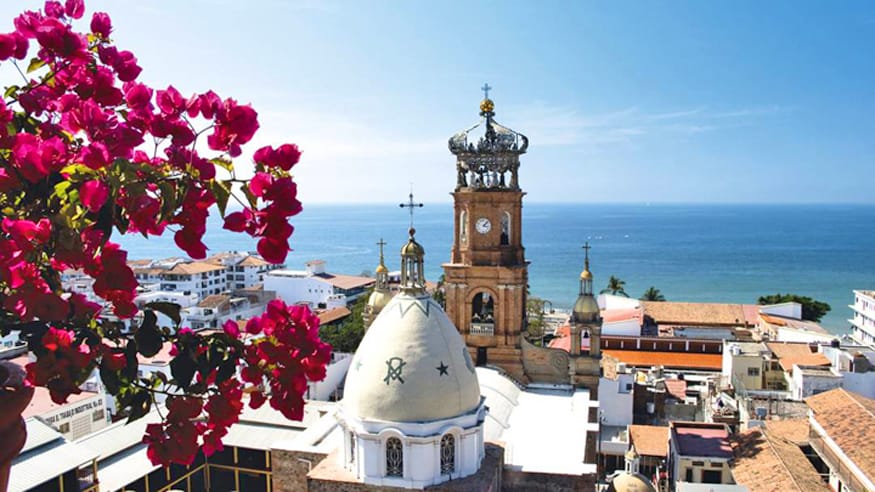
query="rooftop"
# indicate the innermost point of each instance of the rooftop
(649, 440)
(848, 419)
(345, 281)
(670, 360)
(801, 354)
(698, 313)
(701, 439)
(214, 301)
(332, 315)
(193, 268)
(769, 459)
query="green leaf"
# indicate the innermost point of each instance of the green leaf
(225, 164)
(110, 380)
(182, 368)
(169, 309)
(12, 89)
(141, 403)
(148, 336)
(221, 192)
(35, 64)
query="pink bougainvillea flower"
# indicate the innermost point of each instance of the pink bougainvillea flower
(94, 194)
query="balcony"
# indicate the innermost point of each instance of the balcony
(487, 329)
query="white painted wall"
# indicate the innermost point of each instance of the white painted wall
(805, 385)
(334, 375)
(792, 310)
(785, 334)
(615, 400)
(610, 301)
(295, 287)
(629, 327)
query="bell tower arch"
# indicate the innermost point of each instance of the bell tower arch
(487, 274)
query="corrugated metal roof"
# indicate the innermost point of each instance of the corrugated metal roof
(258, 436)
(43, 462)
(125, 468)
(118, 436)
(39, 434)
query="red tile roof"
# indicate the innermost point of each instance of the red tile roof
(333, 315)
(848, 419)
(345, 281)
(770, 459)
(564, 343)
(676, 388)
(614, 315)
(649, 440)
(696, 313)
(672, 360)
(796, 353)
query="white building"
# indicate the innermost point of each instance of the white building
(214, 310)
(315, 287)
(863, 322)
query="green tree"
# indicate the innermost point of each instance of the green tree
(616, 287)
(652, 294)
(535, 315)
(812, 309)
(439, 295)
(347, 335)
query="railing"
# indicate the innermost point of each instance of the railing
(482, 329)
(835, 464)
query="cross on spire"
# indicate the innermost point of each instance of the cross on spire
(486, 88)
(586, 247)
(381, 243)
(411, 205)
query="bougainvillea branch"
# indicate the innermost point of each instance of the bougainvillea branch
(74, 171)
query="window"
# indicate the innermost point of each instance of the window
(505, 229)
(448, 454)
(351, 446)
(688, 475)
(394, 458)
(64, 428)
(712, 476)
(463, 226)
(97, 416)
(753, 371)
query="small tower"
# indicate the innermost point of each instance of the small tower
(412, 267)
(381, 294)
(586, 317)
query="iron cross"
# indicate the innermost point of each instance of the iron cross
(586, 247)
(411, 205)
(381, 243)
(486, 90)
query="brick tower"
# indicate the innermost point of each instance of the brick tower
(487, 274)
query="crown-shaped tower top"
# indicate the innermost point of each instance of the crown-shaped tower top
(488, 154)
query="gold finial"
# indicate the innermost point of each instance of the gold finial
(486, 105)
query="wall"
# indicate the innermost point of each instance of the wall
(295, 289)
(81, 417)
(739, 366)
(547, 482)
(290, 468)
(860, 382)
(334, 375)
(545, 365)
(792, 310)
(615, 401)
(629, 328)
(804, 385)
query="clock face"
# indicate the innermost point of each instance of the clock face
(483, 225)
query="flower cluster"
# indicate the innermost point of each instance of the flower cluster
(88, 151)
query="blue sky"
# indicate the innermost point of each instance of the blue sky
(622, 101)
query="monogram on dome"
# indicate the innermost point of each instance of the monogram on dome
(488, 153)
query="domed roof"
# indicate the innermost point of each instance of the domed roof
(412, 248)
(586, 274)
(381, 268)
(630, 482)
(379, 299)
(411, 366)
(586, 309)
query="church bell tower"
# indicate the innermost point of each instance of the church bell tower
(486, 277)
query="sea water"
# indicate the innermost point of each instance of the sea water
(694, 253)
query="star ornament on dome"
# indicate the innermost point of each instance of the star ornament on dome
(442, 369)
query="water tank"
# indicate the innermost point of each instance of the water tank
(651, 407)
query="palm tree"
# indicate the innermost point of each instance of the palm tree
(615, 287)
(652, 294)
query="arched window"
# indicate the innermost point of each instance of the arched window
(463, 226)
(351, 447)
(394, 458)
(448, 454)
(505, 228)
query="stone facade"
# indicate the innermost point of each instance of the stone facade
(290, 469)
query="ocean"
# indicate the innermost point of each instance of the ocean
(694, 253)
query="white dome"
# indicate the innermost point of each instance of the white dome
(411, 366)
